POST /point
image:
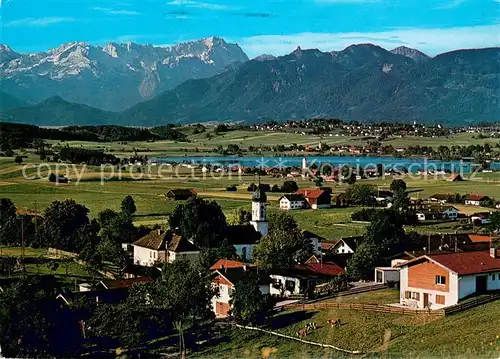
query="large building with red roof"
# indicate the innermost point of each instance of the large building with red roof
(441, 280)
(316, 198)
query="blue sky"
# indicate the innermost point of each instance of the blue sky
(259, 26)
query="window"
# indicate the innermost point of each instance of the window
(415, 296)
(493, 276)
(440, 280)
(440, 299)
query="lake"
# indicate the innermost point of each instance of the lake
(412, 164)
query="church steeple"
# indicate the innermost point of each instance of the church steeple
(259, 220)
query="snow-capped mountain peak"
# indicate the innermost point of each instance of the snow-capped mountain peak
(114, 76)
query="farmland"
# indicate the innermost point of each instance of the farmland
(148, 189)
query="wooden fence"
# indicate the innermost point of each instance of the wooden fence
(471, 304)
(365, 307)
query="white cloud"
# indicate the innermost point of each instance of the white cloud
(199, 5)
(38, 22)
(431, 41)
(115, 12)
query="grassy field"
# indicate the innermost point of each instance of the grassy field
(467, 334)
(148, 189)
(153, 208)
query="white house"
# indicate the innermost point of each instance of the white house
(437, 212)
(441, 280)
(291, 201)
(163, 247)
(179, 248)
(225, 280)
(345, 245)
(151, 248)
(475, 199)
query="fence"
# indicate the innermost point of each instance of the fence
(471, 304)
(365, 307)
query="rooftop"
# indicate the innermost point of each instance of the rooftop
(464, 263)
(180, 244)
(227, 263)
(155, 240)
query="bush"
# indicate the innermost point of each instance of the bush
(231, 188)
(365, 214)
(391, 283)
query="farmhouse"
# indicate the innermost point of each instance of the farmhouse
(316, 198)
(441, 280)
(163, 247)
(179, 248)
(225, 279)
(475, 199)
(292, 201)
(437, 212)
(302, 278)
(151, 248)
(180, 194)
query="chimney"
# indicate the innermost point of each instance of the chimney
(494, 252)
(159, 232)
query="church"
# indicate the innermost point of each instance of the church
(244, 238)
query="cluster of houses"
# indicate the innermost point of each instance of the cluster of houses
(440, 271)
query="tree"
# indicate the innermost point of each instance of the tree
(63, 226)
(128, 206)
(111, 251)
(283, 246)
(348, 175)
(200, 220)
(116, 227)
(129, 323)
(187, 293)
(289, 187)
(249, 305)
(242, 216)
(9, 224)
(32, 324)
(363, 261)
(495, 221)
(361, 195)
(318, 181)
(398, 185)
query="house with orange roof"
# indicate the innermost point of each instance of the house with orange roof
(440, 280)
(316, 198)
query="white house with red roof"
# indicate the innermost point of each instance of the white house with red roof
(442, 280)
(316, 198)
(475, 199)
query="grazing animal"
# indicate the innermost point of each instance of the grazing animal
(311, 326)
(334, 322)
(302, 332)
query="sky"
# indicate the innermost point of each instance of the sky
(259, 26)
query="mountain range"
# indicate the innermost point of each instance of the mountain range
(115, 76)
(362, 82)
